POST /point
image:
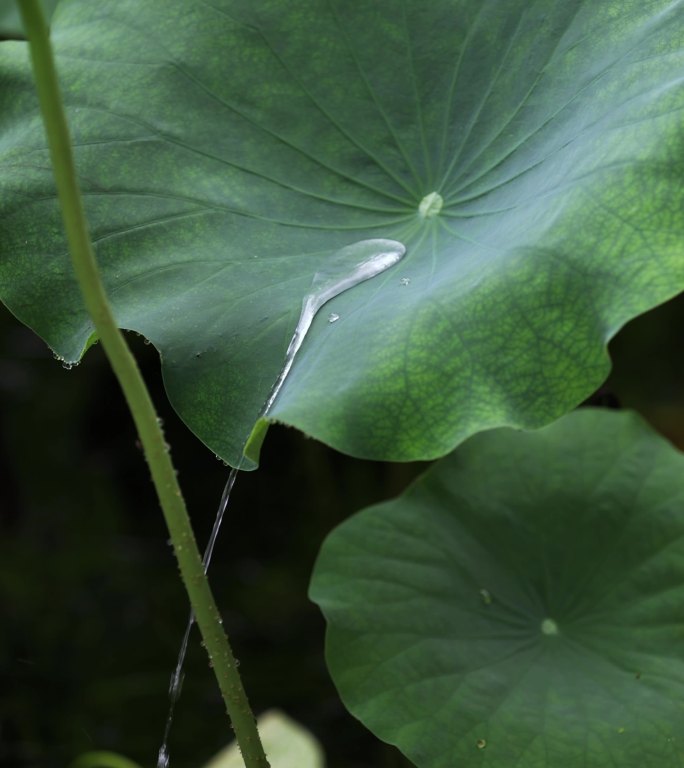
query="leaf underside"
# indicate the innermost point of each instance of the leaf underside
(520, 605)
(227, 149)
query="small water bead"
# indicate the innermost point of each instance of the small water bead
(405, 281)
(486, 596)
(347, 268)
(481, 743)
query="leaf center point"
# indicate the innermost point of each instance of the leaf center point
(430, 205)
(549, 627)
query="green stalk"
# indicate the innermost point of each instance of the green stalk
(133, 386)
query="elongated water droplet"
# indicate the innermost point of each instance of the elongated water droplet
(333, 317)
(347, 268)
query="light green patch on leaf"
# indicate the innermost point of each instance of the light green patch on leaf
(575, 535)
(227, 150)
(286, 743)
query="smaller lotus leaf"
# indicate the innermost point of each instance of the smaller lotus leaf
(521, 604)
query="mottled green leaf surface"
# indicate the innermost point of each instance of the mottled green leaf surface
(520, 605)
(227, 148)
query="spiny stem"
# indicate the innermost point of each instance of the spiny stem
(133, 386)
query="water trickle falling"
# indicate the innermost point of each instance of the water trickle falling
(347, 268)
(175, 684)
(163, 757)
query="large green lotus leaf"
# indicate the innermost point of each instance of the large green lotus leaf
(521, 604)
(227, 149)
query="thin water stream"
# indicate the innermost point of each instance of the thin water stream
(347, 268)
